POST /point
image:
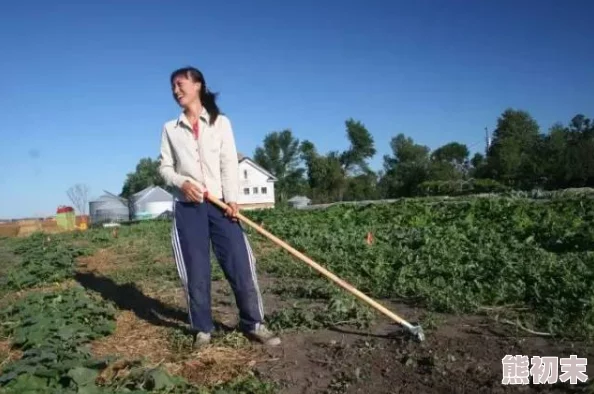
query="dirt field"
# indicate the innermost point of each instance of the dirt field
(461, 354)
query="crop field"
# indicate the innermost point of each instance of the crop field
(103, 312)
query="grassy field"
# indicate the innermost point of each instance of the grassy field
(92, 312)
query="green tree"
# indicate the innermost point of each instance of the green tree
(337, 176)
(478, 165)
(280, 155)
(361, 149)
(581, 124)
(567, 154)
(581, 154)
(477, 160)
(362, 187)
(512, 156)
(359, 180)
(449, 162)
(325, 174)
(551, 155)
(145, 175)
(454, 152)
(405, 169)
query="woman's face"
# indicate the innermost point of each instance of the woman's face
(185, 91)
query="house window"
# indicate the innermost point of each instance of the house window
(255, 190)
(244, 174)
(246, 191)
(264, 190)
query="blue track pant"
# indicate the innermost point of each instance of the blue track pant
(194, 227)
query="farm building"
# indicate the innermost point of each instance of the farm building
(151, 202)
(108, 208)
(299, 201)
(256, 185)
(146, 204)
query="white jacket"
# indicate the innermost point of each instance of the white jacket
(209, 162)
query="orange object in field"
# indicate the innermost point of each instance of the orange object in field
(369, 238)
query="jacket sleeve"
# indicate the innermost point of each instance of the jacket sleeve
(167, 163)
(229, 163)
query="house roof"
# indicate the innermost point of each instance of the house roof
(242, 158)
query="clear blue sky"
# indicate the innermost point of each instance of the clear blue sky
(84, 88)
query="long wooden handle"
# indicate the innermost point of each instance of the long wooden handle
(314, 265)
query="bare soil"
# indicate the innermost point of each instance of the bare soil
(461, 354)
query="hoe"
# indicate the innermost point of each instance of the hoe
(416, 331)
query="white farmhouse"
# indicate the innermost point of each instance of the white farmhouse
(256, 185)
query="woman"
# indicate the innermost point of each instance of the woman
(198, 155)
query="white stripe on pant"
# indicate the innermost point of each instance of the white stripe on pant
(252, 260)
(179, 262)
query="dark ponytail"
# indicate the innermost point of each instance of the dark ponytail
(209, 101)
(208, 98)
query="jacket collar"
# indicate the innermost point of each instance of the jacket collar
(183, 120)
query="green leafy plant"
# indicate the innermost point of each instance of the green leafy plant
(43, 260)
(338, 310)
(53, 329)
(454, 255)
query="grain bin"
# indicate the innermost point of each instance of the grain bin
(94, 206)
(152, 202)
(108, 208)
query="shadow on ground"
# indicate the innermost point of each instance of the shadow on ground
(128, 297)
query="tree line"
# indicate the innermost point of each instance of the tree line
(520, 156)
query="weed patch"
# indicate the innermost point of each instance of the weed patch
(52, 329)
(339, 310)
(43, 259)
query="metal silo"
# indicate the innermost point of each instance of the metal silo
(152, 202)
(94, 206)
(108, 208)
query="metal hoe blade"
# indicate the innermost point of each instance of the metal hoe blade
(417, 332)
